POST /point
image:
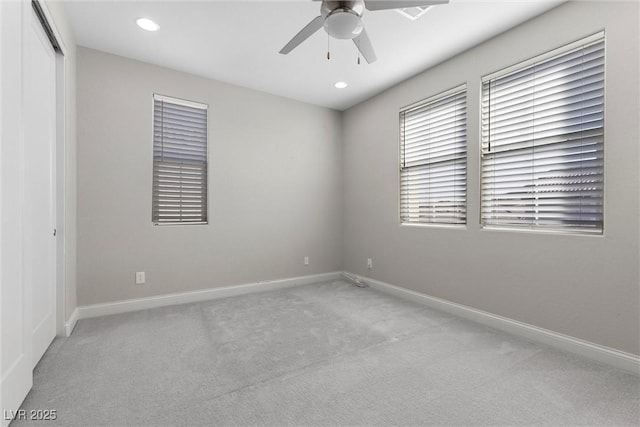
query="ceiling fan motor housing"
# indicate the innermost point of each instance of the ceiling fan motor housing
(342, 19)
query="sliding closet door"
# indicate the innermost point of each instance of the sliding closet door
(15, 299)
(39, 179)
(27, 257)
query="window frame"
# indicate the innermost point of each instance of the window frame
(556, 52)
(194, 104)
(463, 87)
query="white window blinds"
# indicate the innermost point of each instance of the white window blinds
(179, 161)
(433, 160)
(542, 141)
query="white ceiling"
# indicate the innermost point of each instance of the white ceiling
(238, 41)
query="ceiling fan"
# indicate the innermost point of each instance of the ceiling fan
(343, 20)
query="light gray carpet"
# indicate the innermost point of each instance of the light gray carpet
(323, 354)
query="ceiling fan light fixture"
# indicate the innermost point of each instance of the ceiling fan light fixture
(343, 24)
(340, 85)
(147, 24)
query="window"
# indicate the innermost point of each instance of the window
(179, 161)
(542, 141)
(433, 160)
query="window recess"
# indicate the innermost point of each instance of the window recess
(433, 160)
(542, 161)
(179, 161)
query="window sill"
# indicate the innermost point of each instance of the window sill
(433, 225)
(559, 232)
(162, 224)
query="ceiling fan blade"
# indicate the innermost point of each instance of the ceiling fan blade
(313, 26)
(400, 4)
(365, 47)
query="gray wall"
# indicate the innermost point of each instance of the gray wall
(275, 185)
(289, 179)
(583, 286)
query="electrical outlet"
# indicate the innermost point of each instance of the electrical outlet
(140, 279)
(369, 263)
(306, 260)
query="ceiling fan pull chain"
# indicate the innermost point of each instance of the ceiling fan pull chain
(342, 20)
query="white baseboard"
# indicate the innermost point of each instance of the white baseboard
(619, 359)
(71, 323)
(96, 310)
(609, 356)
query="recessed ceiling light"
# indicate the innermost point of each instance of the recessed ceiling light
(341, 85)
(147, 24)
